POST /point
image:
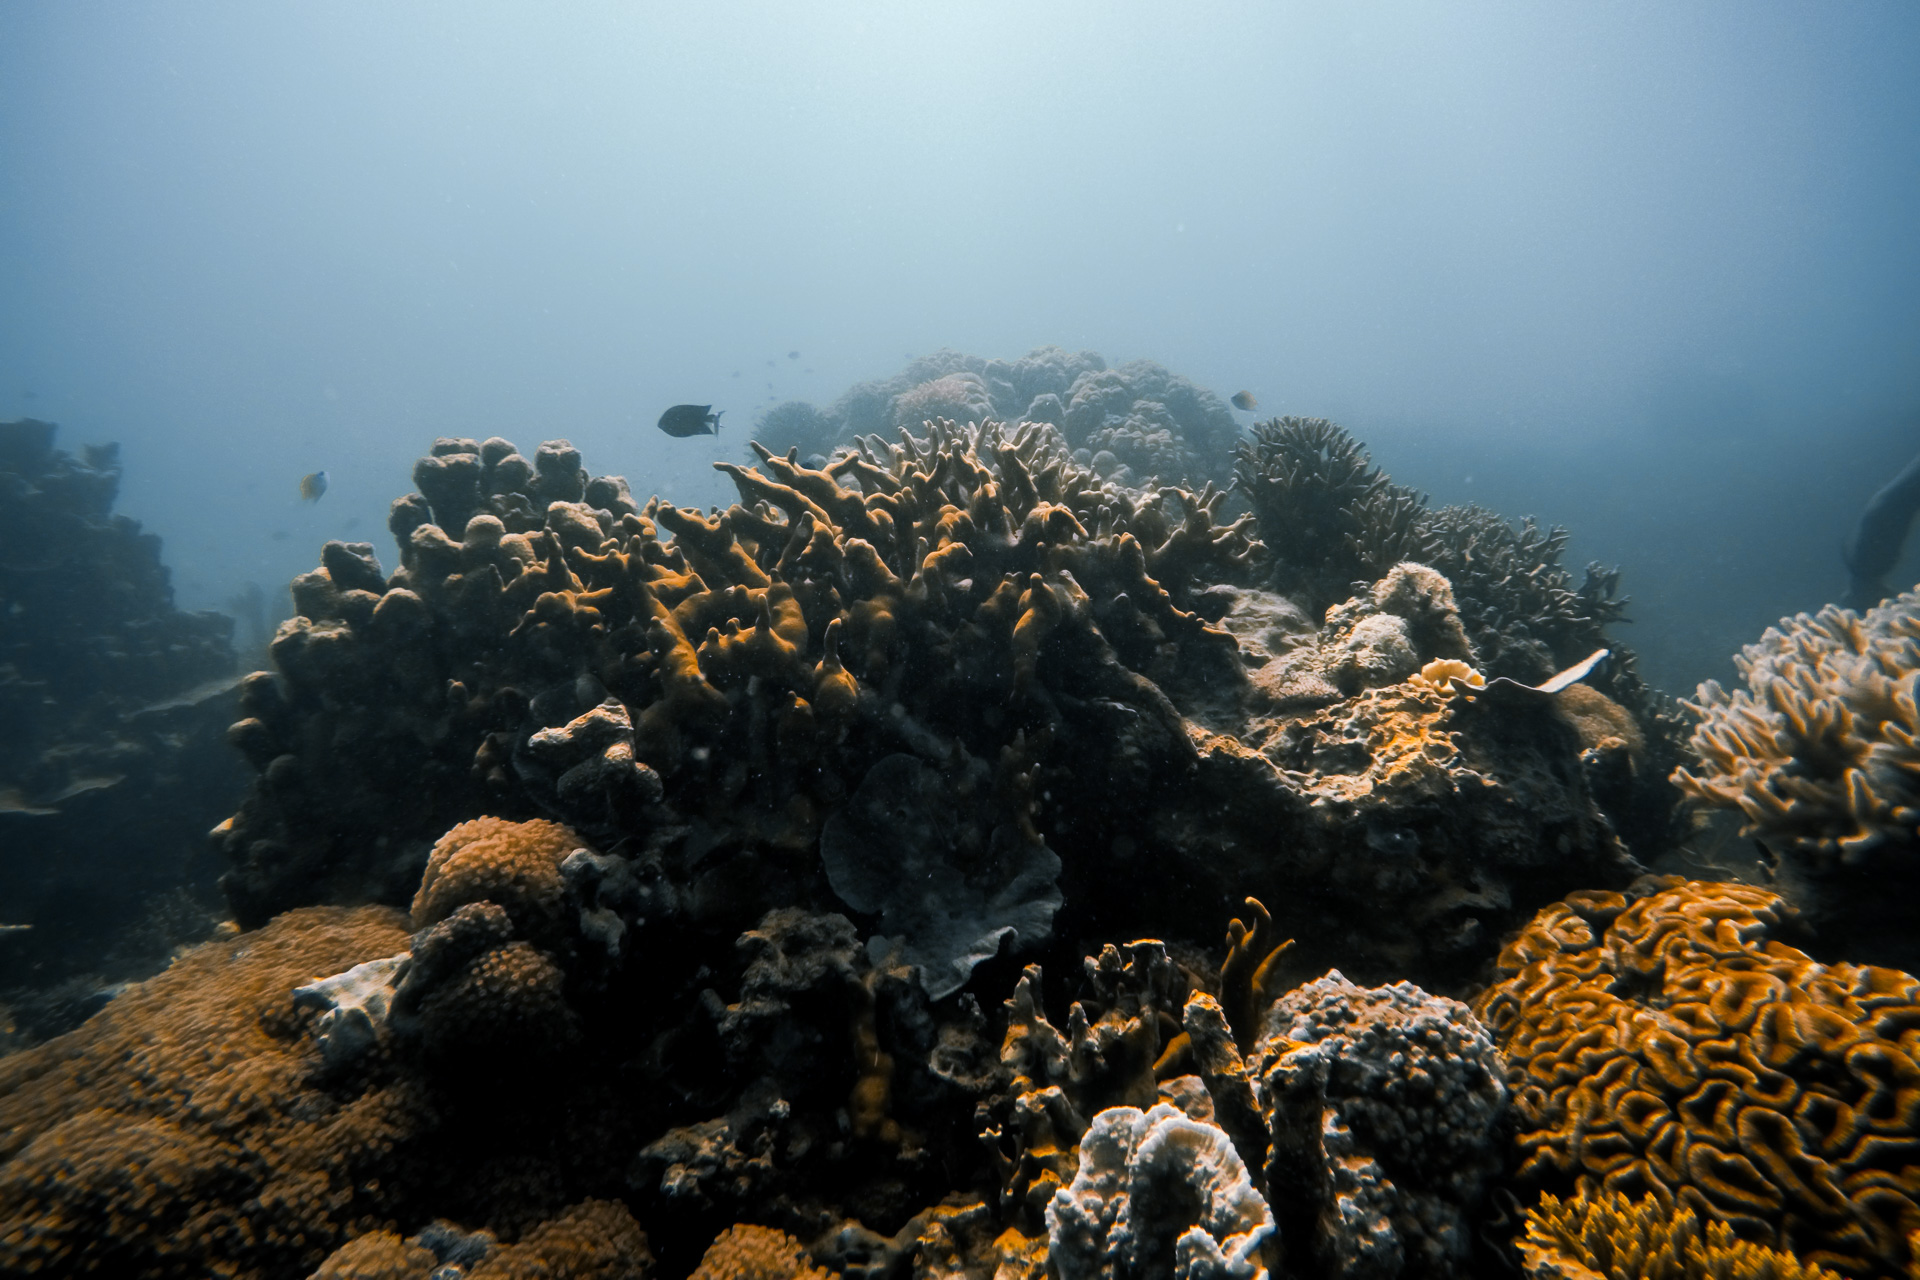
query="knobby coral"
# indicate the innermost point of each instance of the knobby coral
(1668, 1043)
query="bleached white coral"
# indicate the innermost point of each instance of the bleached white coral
(1158, 1194)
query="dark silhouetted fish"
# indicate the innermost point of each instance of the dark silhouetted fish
(311, 487)
(280, 535)
(793, 355)
(685, 420)
(1244, 400)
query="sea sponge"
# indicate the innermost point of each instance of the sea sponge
(184, 1130)
(747, 1252)
(514, 864)
(1666, 1043)
(1609, 1235)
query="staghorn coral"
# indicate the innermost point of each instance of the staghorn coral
(1329, 517)
(1385, 1109)
(1667, 1042)
(747, 1252)
(1818, 753)
(1609, 1235)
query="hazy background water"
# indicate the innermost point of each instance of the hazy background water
(1648, 271)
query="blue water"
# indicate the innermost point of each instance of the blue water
(1645, 271)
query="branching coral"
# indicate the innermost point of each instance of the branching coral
(1819, 754)
(1609, 1235)
(1329, 517)
(1669, 1044)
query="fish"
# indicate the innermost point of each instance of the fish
(793, 355)
(312, 486)
(685, 420)
(1244, 401)
(280, 535)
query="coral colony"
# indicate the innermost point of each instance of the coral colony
(1028, 834)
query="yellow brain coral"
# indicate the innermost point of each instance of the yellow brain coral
(1670, 1046)
(1610, 1235)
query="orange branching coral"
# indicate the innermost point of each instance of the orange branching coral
(747, 1252)
(1672, 1046)
(184, 1130)
(1821, 751)
(1608, 1235)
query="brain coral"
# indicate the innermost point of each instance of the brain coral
(1610, 1235)
(1819, 755)
(183, 1130)
(1672, 1046)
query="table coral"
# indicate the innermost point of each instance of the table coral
(1668, 1043)
(1609, 1235)
(1819, 755)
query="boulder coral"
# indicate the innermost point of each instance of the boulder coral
(1386, 1110)
(1668, 1042)
(1818, 754)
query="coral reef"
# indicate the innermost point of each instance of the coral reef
(1668, 1042)
(111, 766)
(722, 837)
(1609, 1235)
(1135, 425)
(1818, 754)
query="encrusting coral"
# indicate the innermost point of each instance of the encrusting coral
(1819, 755)
(1609, 1235)
(1668, 1043)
